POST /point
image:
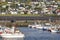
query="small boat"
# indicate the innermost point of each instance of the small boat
(15, 35)
(12, 33)
(34, 25)
(55, 30)
(38, 26)
(43, 27)
(31, 26)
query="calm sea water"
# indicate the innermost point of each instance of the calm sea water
(36, 34)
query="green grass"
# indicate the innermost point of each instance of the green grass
(19, 15)
(51, 15)
(28, 15)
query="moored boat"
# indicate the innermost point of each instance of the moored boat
(45, 26)
(15, 35)
(38, 26)
(56, 30)
(12, 33)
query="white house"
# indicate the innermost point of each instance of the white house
(13, 12)
(21, 12)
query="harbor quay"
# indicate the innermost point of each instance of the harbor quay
(26, 20)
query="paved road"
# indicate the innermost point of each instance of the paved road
(9, 18)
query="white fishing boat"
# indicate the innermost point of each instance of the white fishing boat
(15, 35)
(31, 26)
(45, 26)
(55, 30)
(38, 26)
(12, 33)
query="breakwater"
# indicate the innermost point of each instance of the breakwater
(26, 20)
(29, 18)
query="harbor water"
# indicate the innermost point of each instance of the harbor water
(36, 34)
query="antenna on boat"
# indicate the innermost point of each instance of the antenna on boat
(13, 25)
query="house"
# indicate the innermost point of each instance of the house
(3, 13)
(2, 0)
(21, 12)
(13, 12)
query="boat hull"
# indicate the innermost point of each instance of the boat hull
(12, 38)
(55, 31)
(12, 35)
